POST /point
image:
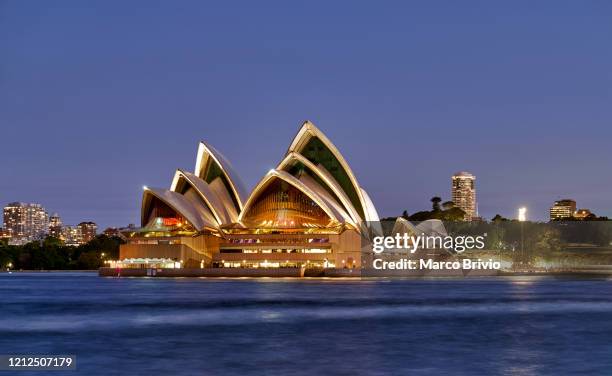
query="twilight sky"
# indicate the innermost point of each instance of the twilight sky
(99, 98)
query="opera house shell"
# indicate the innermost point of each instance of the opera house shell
(309, 211)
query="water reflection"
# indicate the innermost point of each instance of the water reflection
(507, 326)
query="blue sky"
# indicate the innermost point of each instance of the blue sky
(99, 98)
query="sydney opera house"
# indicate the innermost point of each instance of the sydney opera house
(309, 211)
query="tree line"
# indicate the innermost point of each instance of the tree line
(444, 211)
(52, 254)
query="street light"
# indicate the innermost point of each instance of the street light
(522, 214)
(522, 217)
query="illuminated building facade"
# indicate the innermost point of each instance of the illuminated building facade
(562, 209)
(112, 232)
(71, 235)
(87, 231)
(82, 233)
(583, 214)
(25, 222)
(463, 192)
(4, 234)
(55, 226)
(309, 211)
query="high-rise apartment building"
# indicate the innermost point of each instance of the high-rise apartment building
(82, 233)
(25, 222)
(87, 231)
(71, 236)
(463, 192)
(562, 209)
(55, 226)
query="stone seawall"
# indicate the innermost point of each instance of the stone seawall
(206, 272)
(286, 272)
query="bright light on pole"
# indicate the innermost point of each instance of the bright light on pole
(522, 217)
(522, 214)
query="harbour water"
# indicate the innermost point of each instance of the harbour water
(183, 326)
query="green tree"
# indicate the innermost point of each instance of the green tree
(453, 214)
(499, 218)
(89, 260)
(420, 216)
(5, 256)
(448, 205)
(435, 203)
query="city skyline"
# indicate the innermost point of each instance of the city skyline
(512, 212)
(441, 89)
(24, 222)
(461, 199)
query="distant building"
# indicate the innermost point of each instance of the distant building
(71, 236)
(114, 232)
(88, 231)
(4, 234)
(583, 214)
(55, 226)
(463, 192)
(25, 222)
(111, 231)
(562, 209)
(80, 234)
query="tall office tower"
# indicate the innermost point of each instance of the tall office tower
(55, 226)
(87, 231)
(463, 193)
(25, 222)
(562, 209)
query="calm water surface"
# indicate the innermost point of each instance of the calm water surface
(503, 326)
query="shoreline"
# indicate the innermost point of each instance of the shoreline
(337, 273)
(50, 271)
(222, 273)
